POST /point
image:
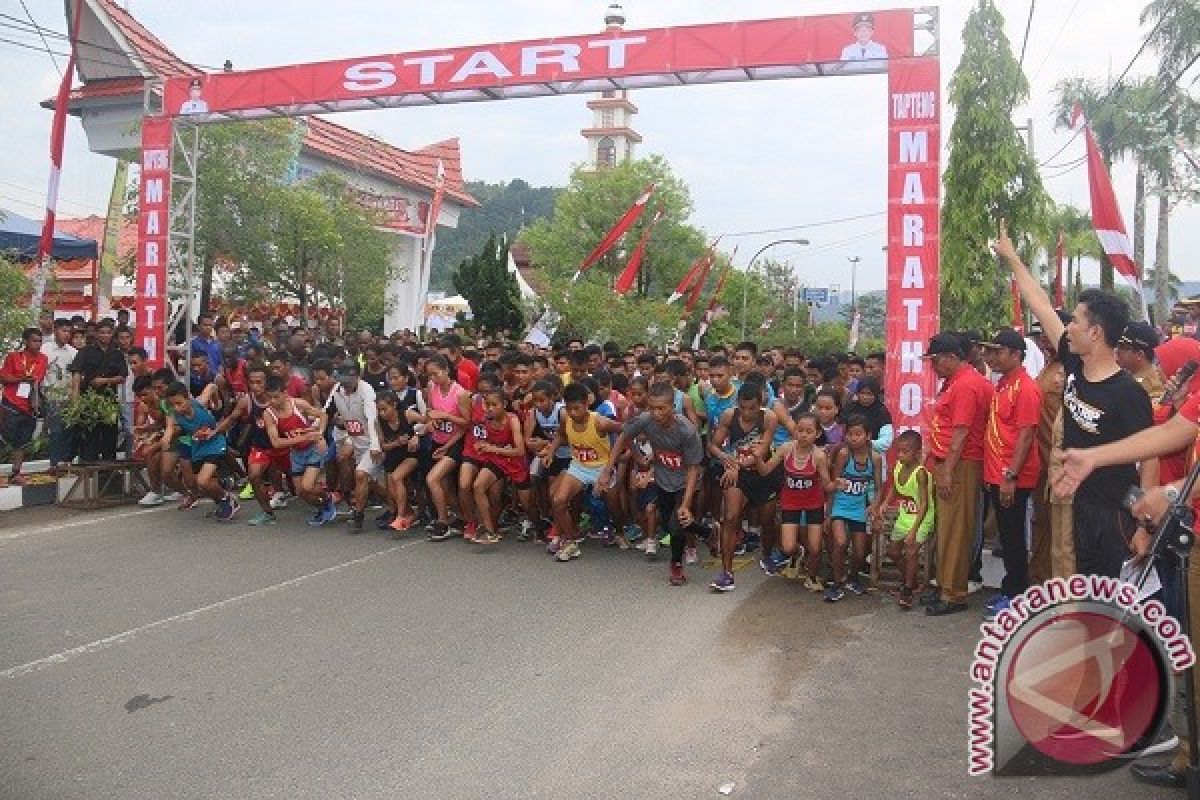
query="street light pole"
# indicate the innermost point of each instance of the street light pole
(854, 281)
(750, 266)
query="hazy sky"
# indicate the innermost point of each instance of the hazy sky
(756, 155)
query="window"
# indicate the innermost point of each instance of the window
(607, 118)
(606, 153)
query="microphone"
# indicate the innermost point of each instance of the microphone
(1179, 379)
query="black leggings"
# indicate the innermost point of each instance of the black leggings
(668, 504)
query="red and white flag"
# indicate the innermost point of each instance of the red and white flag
(1058, 271)
(698, 271)
(855, 325)
(58, 135)
(1106, 214)
(710, 313)
(628, 275)
(626, 222)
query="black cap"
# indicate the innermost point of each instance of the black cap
(863, 19)
(1007, 337)
(1140, 336)
(945, 344)
(347, 371)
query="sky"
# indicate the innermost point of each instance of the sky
(756, 155)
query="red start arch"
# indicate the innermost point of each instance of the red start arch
(901, 43)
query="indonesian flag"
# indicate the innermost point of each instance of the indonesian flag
(58, 135)
(698, 269)
(697, 288)
(710, 313)
(618, 230)
(768, 321)
(855, 324)
(435, 208)
(1106, 214)
(629, 274)
(1058, 271)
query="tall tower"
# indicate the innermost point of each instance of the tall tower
(611, 137)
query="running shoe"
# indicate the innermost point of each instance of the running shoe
(225, 509)
(677, 577)
(997, 604)
(553, 545)
(664, 539)
(769, 565)
(651, 548)
(356, 522)
(931, 596)
(440, 531)
(750, 543)
(401, 525)
(691, 556)
(188, 502)
(173, 497)
(470, 531)
(723, 582)
(486, 537)
(833, 593)
(279, 500)
(247, 492)
(568, 551)
(633, 533)
(317, 519)
(641, 545)
(329, 512)
(151, 499)
(527, 531)
(813, 584)
(263, 518)
(904, 598)
(384, 521)
(855, 585)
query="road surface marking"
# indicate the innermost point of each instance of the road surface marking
(121, 638)
(79, 523)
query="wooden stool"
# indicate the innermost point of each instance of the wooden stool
(104, 484)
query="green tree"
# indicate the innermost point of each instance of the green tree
(14, 303)
(491, 290)
(989, 174)
(1175, 34)
(1079, 242)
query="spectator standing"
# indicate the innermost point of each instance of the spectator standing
(99, 368)
(465, 370)
(1135, 354)
(206, 342)
(57, 385)
(22, 373)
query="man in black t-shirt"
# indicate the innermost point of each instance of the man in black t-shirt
(1102, 403)
(99, 368)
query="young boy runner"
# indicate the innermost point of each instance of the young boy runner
(207, 449)
(678, 466)
(262, 457)
(587, 434)
(913, 485)
(354, 400)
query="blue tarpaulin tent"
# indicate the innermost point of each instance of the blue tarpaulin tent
(20, 235)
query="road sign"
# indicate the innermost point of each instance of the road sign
(812, 295)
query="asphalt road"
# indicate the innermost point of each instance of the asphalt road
(161, 655)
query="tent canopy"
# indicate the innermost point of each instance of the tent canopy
(20, 235)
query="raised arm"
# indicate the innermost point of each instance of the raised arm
(1032, 293)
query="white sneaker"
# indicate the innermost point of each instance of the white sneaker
(173, 497)
(974, 586)
(279, 500)
(151, 499)
(651, 547)
(642, 544)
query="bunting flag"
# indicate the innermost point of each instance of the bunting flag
(58, 135)
(618, 230)
(711, 312)
(1106, 214)
(699, 266)
(1058, 271)
(855, 325)
(698, 288)
(629, 274)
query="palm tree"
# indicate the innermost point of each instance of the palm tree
(1173, 283)
(1175, 34)
(1079, 242)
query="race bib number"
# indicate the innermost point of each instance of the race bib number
(354, 427)
(443, 426)
(909, 505)
(856, 487)
(24, 390)
(799, 484)
(586, 455)
(480, 432)
(670, 460)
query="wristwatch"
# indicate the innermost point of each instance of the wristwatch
(1172, 493)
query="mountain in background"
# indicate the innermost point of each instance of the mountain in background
(504, 208)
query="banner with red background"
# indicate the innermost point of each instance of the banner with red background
(708, 53)
(914, 243)
(154, 210)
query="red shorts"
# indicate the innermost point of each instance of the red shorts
(280, 459)
(514, 470)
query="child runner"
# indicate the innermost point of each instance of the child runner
(354, 400)
(262, 457)
(740, 440)
(298, 427)
(476, 432)
(542, 425)
(678, 466)
(500, 456)
(449, 410)
(913, 485)
(828, 409)
(803, 496)
(400, 446)
(586, 432)
(856, 472)
(207, 449)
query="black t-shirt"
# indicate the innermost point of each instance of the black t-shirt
(1101, 412)
(93, 362)
(376, 380)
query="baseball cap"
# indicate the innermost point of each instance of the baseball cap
(1007, 337)
(347, 372)
(1140, 336)
(863, 19)
(944, 344)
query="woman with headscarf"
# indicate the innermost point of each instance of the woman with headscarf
(869, 402)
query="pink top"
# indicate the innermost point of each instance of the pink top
(444, 429)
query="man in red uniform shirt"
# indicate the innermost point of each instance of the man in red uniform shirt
(22, 374)
(1011, 463)
(956, 433)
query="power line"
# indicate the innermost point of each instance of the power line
(1025, 39)
(17, 24)
(45, 44)
(78, 58)
(1054, 42)
(819, 224)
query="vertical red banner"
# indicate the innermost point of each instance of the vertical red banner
(154, 209)
(914, 191)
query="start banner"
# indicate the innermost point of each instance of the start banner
(914, 244)
(154, 209)
(790, 47)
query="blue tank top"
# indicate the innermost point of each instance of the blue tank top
(851, 503)
(547, 427)
(678, 402)
(201, 418)
(716, 406)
